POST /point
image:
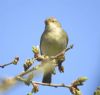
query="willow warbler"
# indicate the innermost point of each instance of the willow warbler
(53, 40)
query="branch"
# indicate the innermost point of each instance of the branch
(73, 87)
(15, 61)
(2, 66)
(51, 84)
(42, 58)
(62, 52)
(29, 62)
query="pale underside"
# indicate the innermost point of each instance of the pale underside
(53, 42)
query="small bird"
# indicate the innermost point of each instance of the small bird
(53, 40)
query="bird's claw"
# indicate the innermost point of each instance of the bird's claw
(61, 69)
(71, 46)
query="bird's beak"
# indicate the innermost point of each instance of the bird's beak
(46, 22)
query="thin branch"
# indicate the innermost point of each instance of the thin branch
(44, 84)
(26, 72)
(40, 65)
(4, 65)
(73, 87)
(15, 61)
(62, 52)
(51, 84)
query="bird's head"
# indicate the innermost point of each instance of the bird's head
(52, 22)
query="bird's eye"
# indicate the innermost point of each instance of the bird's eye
(53, 21)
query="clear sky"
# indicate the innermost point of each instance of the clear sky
(21, 26)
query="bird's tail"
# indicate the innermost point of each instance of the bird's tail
(48, 71)
(47, 77)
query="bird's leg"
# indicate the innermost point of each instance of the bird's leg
(60, 61)
(68, 48)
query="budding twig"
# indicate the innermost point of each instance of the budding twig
(73, 87)
(2, 66)
(15, 61)
(40, 58)
(45, 59)
(51, 84)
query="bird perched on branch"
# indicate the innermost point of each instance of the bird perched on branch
(53, 40)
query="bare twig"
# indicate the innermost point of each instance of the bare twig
(73, 87)
(62, 53)
(26, 72)
(15, 61)
(44, 84)
(2, 66)
(51, 84)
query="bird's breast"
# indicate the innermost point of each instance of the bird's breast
(53, 42)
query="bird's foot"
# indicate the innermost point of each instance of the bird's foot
(61, 69)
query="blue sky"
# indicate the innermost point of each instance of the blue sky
(21, 26)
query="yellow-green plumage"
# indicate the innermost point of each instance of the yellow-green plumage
(53, 40)
(97, 92)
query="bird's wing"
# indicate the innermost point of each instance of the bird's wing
(66, 36)
(41, 43)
